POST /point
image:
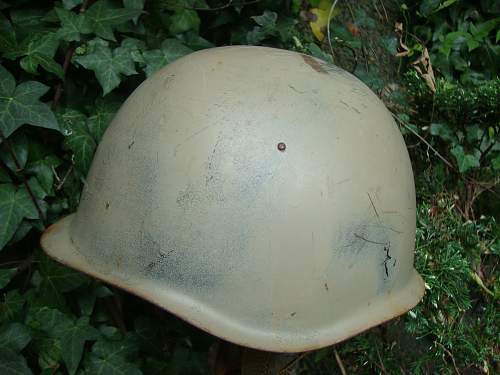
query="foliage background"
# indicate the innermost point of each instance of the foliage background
(65, 68)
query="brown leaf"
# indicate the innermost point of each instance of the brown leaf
(424, 67)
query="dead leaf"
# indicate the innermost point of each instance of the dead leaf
(353, 29)
(424, 67)
(403, 49)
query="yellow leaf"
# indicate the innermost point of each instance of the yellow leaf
(320, 18)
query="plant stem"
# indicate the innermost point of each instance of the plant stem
(66, 63)
(23, 176)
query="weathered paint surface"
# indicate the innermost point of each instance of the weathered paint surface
(261, 195)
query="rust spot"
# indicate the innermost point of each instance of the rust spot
(326, 287)
(106, 205)
(315, 64)
(281, 146)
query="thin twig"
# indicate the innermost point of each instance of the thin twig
(13, 155)
(328, 27)
(339, 362)
(67, 61)
(382, 367)
(436, 152)
(385, 11)
(61, 182)
(448, 164)
(450, 355)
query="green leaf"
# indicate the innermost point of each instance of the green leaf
(171, 50)
(266, 19)
(14, 336)
(496, 162)
(107, 64)
(15, 205)
(70, 4)
(79, 140)
(43, 170)
(104, 17)
(72, 334)
(481, 30)
(464, 161)
(266, 28)
(4, 176)
(11, 305)
(445, 4)
(192, 40)
(112, 358)
(28, 20)
(184, 20)
(6, 274)
(39, 49)
(12, 363)
(391, 44)
(134, 4)
(453, 41)
(103, 113)
(443, 131)
(72, 25)
(19, 147)
(24, 228)
(21, 105)
(8, 42)
(58, 278)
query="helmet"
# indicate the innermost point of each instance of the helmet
(262, 195)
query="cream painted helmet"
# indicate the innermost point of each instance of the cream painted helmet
(260, 194)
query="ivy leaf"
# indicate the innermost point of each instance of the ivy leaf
(78, 139)
(171, 50)
(13, 338)
(103, 17)
(57, 278)
(12, 363)
(11, 305)
(38, 49)
(21, 105)
(6, 274)
(267, 27)
(443, 131)
(43, 170)
(4, 176)
(103, 113)
(496, 162)
(8, 42)
(111, 358)
(194, 41)
(70, 4)
(71, 333)
(15, 205)
(72, 25)
(19, 147)
(134, 4)
(107, 64)
(184, 20)
(464, 161)
(29, 20)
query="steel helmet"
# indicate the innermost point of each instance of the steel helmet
(262, 195)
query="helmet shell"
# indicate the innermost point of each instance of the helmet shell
(260, 194)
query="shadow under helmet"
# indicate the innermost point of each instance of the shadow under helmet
(262, 195)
